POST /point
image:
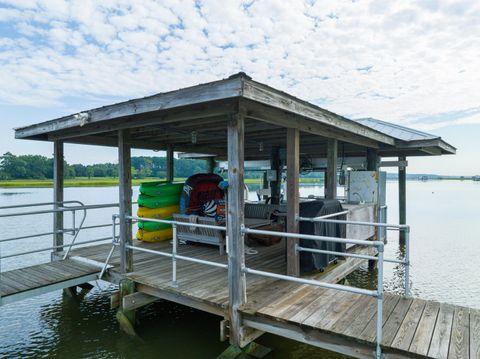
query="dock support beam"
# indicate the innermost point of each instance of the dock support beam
(58, 194)
(125, 200)
(293, 206)
(402, 196)
(235, 222)
(275, 165)
(170, 164)
(331, 174)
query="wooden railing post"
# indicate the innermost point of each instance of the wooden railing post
(58, 193)
(235, 221)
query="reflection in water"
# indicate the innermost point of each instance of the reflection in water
(445, 256)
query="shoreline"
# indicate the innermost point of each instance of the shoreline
(110, 182)
(113, 182)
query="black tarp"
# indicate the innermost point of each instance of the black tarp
(315, 261)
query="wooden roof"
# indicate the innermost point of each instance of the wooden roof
(194, 119)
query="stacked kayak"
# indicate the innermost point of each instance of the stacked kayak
(157, 200)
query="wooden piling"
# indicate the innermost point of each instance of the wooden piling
(372, 165)
(331, 174)
(275, 165)
(58, 176)
(402, 196)
(235, 221)
(293, 206)
(125, 200)
(210, 164)
(170, 164)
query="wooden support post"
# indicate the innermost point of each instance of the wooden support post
(331, 174)
(402, 196)
(170, 164)
(125, 200)
(210, 164)
(235, 222)
(126, 318)
(275, 165)
(293, 204)
(372, 165)
(58, 193)
(372, 159)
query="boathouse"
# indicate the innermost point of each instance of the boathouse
(238, 121)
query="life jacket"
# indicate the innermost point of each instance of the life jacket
(198, 190)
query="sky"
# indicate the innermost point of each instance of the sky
(415, 63)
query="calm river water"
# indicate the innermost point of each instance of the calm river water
(445, 253)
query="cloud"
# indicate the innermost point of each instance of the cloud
(398, 61)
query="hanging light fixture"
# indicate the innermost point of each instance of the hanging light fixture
(194, 137)
(260, 146)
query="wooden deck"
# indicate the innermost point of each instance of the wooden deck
(339, 321)
(35, 280)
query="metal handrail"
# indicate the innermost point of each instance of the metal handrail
(378, 294)
(74, 231)
(388, 226)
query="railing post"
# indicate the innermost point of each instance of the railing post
(407, 261)
(73, 222)
(174, 256)
(378, 351)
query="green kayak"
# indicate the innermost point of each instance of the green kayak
(154, 226)
(158, 202)
(161, 188)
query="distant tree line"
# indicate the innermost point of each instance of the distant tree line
(41, 167)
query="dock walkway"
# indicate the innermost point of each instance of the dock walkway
(340, 321)
(39, 279)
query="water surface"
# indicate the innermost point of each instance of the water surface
(445, 254)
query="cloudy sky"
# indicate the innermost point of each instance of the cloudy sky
(415, 63)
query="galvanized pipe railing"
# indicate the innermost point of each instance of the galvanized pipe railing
(65, 207)
(398, 227)
(378, 293)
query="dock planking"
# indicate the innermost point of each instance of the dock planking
(22, 283)
(411, 327)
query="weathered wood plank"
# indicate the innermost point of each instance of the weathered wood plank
(271, 97)
(393, 323)
(423, 335)
(349, 316)
(407, 329)
(369, 333)
(459, 342)
(441, 335)
(213, 91)
(474, 333)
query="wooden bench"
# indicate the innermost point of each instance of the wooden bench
(200, 235)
